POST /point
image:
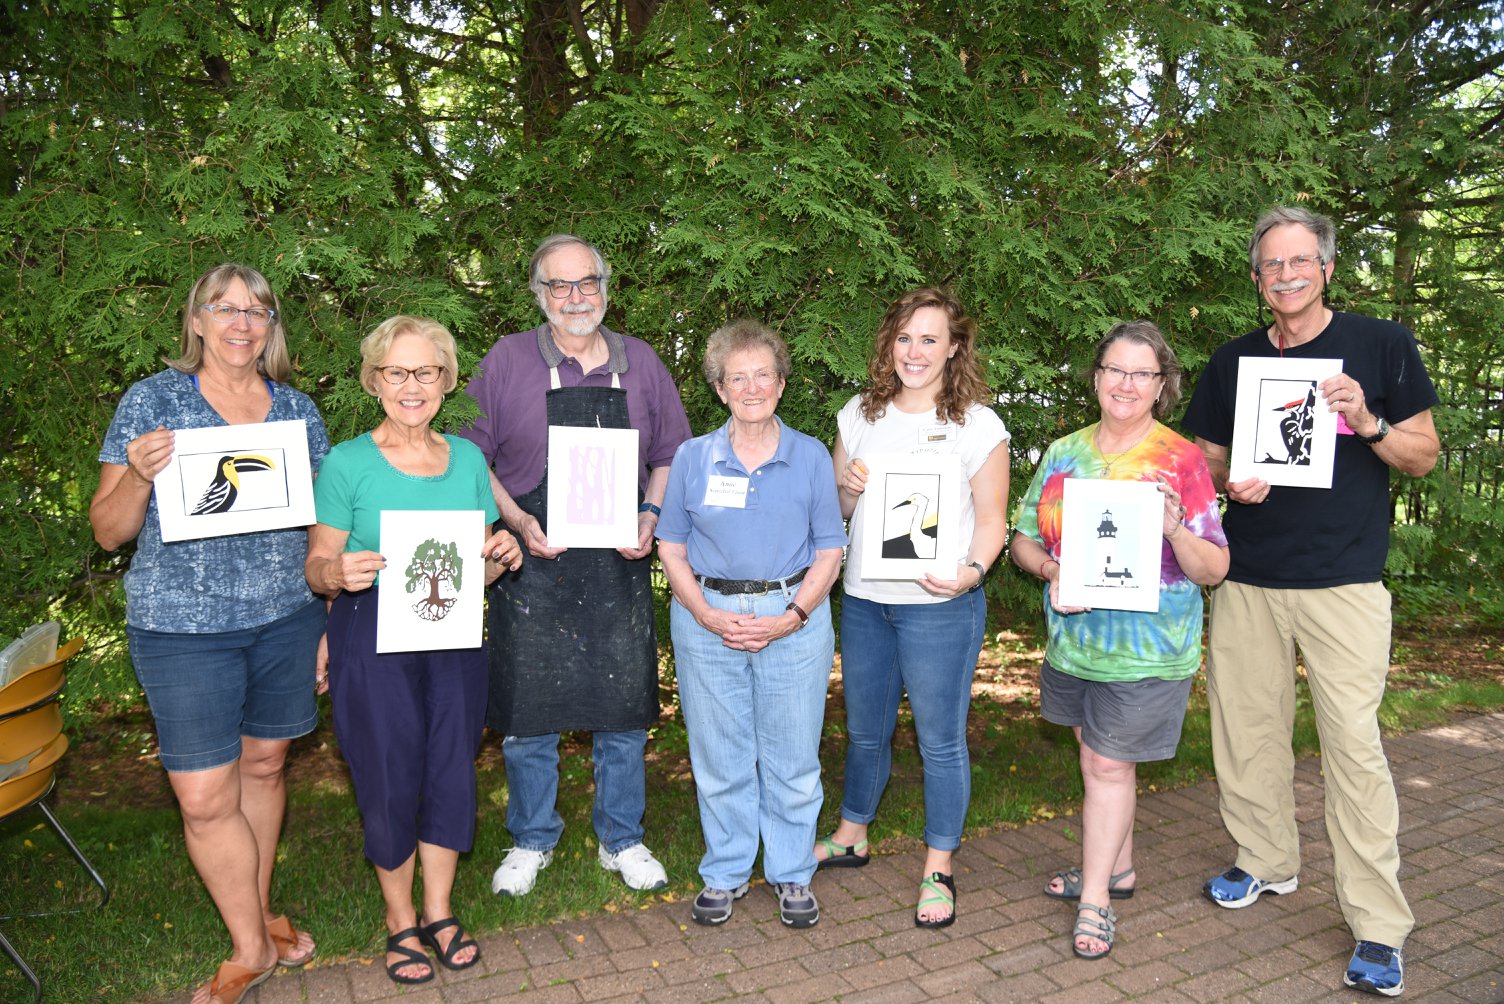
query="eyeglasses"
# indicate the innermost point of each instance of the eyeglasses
(397, 375)
(1138, 377)
(741, 381)
(559, 288)
(1300, 263)
(256, 317)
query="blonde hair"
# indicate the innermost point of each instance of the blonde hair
(375, 346)
(274, 363)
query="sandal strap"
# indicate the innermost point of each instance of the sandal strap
(835, 850)
(285, 938)
(429, 935)
(942, 886)
(394, 941)
(1102, 927)
(231, 981)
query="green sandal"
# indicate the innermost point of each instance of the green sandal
(843, 855)
(1102, 927)
(937, 884)
(1070, 881)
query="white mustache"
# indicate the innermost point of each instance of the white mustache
(1293, 286)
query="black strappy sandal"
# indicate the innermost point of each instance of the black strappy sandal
(410, 956)
(428, 934)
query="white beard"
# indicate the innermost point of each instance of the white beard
(578, 323)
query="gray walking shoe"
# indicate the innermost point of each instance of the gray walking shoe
(713, 906)
(797, 906)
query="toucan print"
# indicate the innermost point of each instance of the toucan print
(220, 495)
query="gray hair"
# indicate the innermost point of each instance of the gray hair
(375, 346)
(1320, 227)
(1145, 333)
(553, 243)
(739, 336)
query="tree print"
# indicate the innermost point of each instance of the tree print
(432, 564)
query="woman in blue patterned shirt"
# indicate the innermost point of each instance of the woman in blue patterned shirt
(223, 631)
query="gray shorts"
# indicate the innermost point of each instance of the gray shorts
(1134, 721)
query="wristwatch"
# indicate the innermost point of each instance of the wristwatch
(981, 572)
(1383, 431)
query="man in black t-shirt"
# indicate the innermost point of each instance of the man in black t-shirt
(1306, 573)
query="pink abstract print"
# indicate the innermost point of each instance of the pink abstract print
(592, 486)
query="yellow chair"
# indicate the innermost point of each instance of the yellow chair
(31, 744)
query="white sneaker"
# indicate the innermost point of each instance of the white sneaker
(519, 871)
(639, 869)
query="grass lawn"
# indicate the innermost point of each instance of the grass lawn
(159, 935)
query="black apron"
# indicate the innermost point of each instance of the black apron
(572, 639)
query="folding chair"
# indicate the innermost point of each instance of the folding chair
(31, 744)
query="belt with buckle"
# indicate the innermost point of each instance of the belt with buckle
(738, 587)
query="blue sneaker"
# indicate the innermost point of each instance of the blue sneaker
(1376, 969)
(1236, 889)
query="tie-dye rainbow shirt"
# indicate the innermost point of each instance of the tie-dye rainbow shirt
(1118, 645)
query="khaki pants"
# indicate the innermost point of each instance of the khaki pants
(1343, 633)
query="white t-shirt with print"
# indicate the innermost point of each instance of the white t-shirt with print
(924, 433)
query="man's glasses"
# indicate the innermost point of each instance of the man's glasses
(256, 317)
(1138, 377)
(1300, 263)
(559, 288)
(397, 375)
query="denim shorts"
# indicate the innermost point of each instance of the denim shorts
(1132, 721)
(208, 690)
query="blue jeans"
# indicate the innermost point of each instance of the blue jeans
(754, 722)
(929, 650)
(532, 764)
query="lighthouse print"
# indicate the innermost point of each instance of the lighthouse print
(1108, 554)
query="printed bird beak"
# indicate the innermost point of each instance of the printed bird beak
(250, 462)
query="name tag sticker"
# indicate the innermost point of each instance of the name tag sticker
(937, 434)
(730, 493)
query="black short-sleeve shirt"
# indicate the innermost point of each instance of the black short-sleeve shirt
(1311, 538)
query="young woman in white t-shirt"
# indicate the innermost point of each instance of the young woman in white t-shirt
(925, 396)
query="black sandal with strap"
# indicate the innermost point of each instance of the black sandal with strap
(429, 935)
(410, 957)
(936, 884)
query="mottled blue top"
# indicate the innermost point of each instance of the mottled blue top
(217, 583)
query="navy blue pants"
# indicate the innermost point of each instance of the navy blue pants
(409, 726)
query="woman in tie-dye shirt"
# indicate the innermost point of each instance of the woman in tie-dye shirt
(1120, 678)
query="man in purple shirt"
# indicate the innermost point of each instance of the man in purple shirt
(572, 642)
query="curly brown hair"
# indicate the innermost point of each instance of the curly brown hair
(963, 383)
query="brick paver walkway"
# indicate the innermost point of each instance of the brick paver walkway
(1011, 944)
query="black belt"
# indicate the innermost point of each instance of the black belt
(737, 587)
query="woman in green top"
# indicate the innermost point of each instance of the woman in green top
(408, 723)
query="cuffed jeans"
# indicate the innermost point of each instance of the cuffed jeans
(929, 650)
(754, 721)
(532, 764)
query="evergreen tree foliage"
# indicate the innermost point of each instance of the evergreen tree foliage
(1062, 166)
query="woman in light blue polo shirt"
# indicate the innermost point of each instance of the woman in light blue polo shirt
(751, 539)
